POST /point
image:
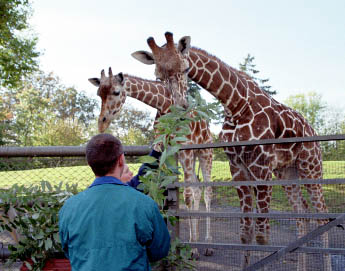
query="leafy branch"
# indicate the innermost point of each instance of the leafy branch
(173, 129)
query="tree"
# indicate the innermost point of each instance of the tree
(249, 67)
(66, 102)
(30, 113)
(43, 111)
(325, 120)
(312, 108)
(18, 53)
(60, 132)
(133, 126)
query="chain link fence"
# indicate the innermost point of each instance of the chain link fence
(25, 168)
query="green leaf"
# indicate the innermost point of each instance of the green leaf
(48, 244)
(147, 159)
(35, 216)
(168, 180)
(49, 186)
(162, 159)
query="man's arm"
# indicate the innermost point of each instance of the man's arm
(142, 170)
(159, 245)
(63, 234)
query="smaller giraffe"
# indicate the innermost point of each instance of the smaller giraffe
(113, 91)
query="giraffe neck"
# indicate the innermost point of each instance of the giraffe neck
(152, 93)
(233, 88)
(178, 86)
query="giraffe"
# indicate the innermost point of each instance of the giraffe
(250, 114)
(113, 91)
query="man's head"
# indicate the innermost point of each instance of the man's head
(102, 153)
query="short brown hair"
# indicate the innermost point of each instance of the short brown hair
(102, 153)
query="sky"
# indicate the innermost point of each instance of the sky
(298, 44)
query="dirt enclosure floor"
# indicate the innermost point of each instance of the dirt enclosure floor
(283, 232)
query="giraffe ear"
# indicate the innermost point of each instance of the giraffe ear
(184, 45)
(144, 57)
(95, 81)
(119, 77)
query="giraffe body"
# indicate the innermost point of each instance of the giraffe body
(251, 114)
(113, 91)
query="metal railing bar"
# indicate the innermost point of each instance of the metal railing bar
(253, 215)
(44, 151)
(264, 142)
(62, 151)
(264, 248)
(256, 183)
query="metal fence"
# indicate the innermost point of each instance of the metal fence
(67, 164)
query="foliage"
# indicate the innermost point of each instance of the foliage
(42, 111)
(133, 126)
(37, 210)
(311, 106)
(218, 153)
(59, 132)
(249, 67)
(18, 53)
(325, 120)
(172, 129)
(334, 124)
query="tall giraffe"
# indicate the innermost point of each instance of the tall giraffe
(251, 114)
(113, 91)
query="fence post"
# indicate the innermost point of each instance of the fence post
(173, 206)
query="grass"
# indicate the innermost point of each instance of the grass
(334, 194)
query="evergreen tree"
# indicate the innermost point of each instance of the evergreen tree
(248, 66)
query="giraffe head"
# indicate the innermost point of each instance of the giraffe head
(113, 94)
(171, 65)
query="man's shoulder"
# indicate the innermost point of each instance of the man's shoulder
(141, 197)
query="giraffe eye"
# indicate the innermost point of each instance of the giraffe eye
(186, 70)
(116, 93)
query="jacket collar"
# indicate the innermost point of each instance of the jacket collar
(106, 180)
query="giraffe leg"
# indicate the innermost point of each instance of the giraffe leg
(205, 160)
(191, 194)
(196, 204)
(246, 223)
(262, 226)
(246, 203)
(318, 202)
(299, 205)
(294, 195)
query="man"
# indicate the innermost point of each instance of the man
(110, 225)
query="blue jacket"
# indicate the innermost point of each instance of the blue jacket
(111, 226)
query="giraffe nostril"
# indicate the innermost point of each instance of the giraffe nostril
(104, 119)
